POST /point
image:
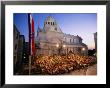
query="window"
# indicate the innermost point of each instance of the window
(15, 46)
(70, 40)
(48, 22)
(17, 36)
(51, 23)
(73, 40)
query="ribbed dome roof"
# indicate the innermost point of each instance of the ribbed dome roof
(50, 19)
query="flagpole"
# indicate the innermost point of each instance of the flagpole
(29, 64)
(29, 43)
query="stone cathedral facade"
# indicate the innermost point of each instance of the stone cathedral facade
(51, 40)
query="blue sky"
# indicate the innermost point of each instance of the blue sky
(82, 24)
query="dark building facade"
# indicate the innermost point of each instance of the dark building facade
(26, 53)
(18, 50)
(21, 49)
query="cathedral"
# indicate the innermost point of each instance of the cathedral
(51, 40)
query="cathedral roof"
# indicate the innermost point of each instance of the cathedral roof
(50, 19)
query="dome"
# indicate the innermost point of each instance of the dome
(50, 19)
(50, 24)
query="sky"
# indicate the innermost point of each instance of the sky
(81, 24)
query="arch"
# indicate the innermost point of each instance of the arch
(70, 40)
(51, 23)
(73, 40)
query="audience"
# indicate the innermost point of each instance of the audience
(59, 64)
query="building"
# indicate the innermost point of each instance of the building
(15, 48)
(26, 53)
(95, 40)
(18, 49)
(52, 40)
(21, 49)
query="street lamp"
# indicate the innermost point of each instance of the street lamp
(64, 46)
(57, 47)
(83, 49)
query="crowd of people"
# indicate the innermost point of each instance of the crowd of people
(59, 64)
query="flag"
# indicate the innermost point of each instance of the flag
(31, 35)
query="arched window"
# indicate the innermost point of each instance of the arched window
(70, 40)
(48, 22)
(53, 23)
